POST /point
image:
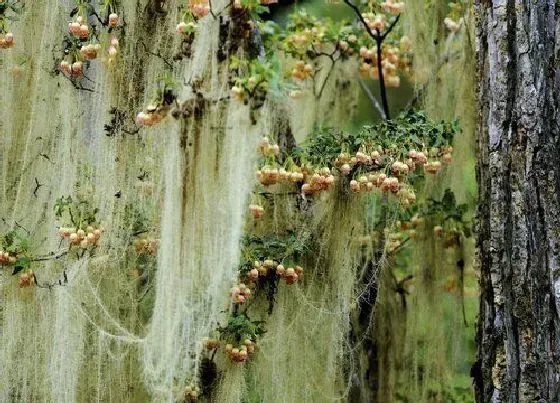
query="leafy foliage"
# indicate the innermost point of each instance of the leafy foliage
(306, 36)
(14, 242)
(9, 11)
(280, 248)
(241, 327)
(252, 76)
(450, 211)
(254, 8)
(410, 130)
(22, 263)
(17, 247)
(135, 219)
(80, 213)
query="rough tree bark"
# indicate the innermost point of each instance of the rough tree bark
(518, 51)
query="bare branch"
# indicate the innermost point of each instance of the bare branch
(372, 98)
(374, 35)
(157, 54)
(388, 31)
(382, 87)
(378, 37)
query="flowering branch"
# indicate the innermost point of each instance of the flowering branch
(378, 37)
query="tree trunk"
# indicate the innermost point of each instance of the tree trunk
(519, 215)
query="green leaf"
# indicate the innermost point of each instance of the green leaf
(22, 263)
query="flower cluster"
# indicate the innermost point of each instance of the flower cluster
(14, 251)
(392, 7)
(81, 237)
(239, 337)
(79, 28)
(7, 40)
(307, 38)
(320, 180)
(193, 10)
(7, 257)
(302, 70)
(240, 293)
(389, 156)
(394, 58)
(27, 279)
(164, 98)
(250, 79)
(379, 20)
(191, 393)
(269, 175)
(372, 167)
(151, 116)
(82, 229)
(256, 210)
(262, 269)
(266, 149)
(82, 45)
(145, 245)
(199, 8)
(400, 169)
(289, 275)
(242, 353)
(394, 242)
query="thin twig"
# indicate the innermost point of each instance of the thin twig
(211, 10)
(17, 225)
(140, 232)
(76, 86)
(372, 98)
(333, 62)
(50, 286)
(45, 156)
(102, 22)
(372, 34)
(158, 54)
(37, 187)
(22, 227)
(49, 257)
(326, 79)
(402, 245)
(388, 31)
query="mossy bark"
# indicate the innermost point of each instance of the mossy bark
(518, 51)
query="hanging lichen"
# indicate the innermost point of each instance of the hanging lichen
(129, 267)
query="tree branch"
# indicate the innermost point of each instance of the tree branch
(157, 54)
(378, 37)
(50, 257)
(391, 26)
(372, 34)
(372, 98)
(382, 81)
